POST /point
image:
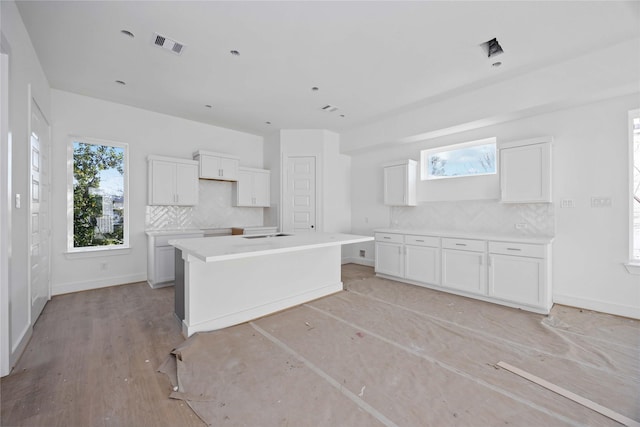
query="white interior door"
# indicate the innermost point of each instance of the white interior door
(299, 215)
(39, 259)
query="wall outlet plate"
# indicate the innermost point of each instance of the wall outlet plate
(520, 226)
(600, 202)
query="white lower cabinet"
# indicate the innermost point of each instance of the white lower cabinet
(161, 256)
(389, 259)
(509, 273)
(519, 273)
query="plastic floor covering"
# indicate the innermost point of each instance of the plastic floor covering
(386, 353)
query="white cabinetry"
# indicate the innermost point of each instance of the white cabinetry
(422, 259)
(400, 183)
(218, 166)
(172, 181)
(389, 254)
(518, 273)
(525, 171)
(161, 257)
(253, 188)
(464, 265)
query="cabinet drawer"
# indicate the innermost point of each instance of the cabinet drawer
(430, 241)
(464, 244)
(389, 237)
(518, 249)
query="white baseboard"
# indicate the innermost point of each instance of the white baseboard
(361, 261)
(86, 285)
(604, 307)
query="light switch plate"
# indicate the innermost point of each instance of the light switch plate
(601, 202)
(567, 203)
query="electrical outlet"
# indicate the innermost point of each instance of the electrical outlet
(104, 266)
(520, 226)
(601, 202)
(567, 203)
(362, 253)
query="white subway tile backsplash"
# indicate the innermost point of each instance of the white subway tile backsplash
(478, 216)
(214, 210)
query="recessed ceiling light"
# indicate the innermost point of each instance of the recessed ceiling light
(208, 106)
(127, 33)
(496, 64)
(315, 89)
(268, 123)
(341, 115)
(234, 52)
(120, 82)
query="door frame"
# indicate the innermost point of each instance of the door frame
(284, 176)
(5, 211)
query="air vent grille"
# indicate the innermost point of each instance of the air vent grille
(492, 48)
(329, 108)
(168, 44)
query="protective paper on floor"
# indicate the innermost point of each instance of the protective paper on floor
(385, 353)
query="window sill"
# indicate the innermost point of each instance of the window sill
(633, 267)
(97, 252)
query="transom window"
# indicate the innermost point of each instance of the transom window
(466, 159)
(97, 195)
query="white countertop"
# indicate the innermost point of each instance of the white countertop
(516, 238)
(168, 232)
(234, 247)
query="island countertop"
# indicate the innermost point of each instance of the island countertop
(239, 246)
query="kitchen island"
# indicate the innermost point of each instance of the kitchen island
(229, 280)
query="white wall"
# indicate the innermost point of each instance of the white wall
(590, 158)
(24, 72)
(146, 133)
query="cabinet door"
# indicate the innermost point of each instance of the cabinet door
(186, 184)
(164, 264)
(229, 168)
(262, 189)
(525, 173)
(244, 189)
(422, 264)
(464, 270)
(395, 185)
(210, 167)
(389, 259)
(162, 181)
(517, 279)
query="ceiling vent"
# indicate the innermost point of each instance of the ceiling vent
(492, 48)
(329, 108)
(168, 44)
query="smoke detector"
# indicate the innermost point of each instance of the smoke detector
(168, 44)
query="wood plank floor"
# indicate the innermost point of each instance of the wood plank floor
(93, 357)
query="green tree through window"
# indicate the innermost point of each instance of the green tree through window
(98, 195)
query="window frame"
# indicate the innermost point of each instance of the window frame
(125, 228)
(633, 266)
(424, 158)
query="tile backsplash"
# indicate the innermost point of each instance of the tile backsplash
(484, 216)
(214, 210)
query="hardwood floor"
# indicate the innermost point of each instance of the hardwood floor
(425, 357)
(92, 361)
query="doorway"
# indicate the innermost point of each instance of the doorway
(299, 205)
(39, 213)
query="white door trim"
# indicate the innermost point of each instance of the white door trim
(5, 214)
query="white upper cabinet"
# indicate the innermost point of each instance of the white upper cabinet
(525, 171)
(253, 188)
(218, 166)
(400, 183)
(172, 181)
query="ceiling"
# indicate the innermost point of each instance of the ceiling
(369, 59)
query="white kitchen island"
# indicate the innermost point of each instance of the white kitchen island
(225, 281)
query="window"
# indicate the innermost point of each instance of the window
(466, 159)
(634, 178)
(97, 195)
